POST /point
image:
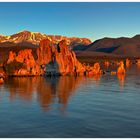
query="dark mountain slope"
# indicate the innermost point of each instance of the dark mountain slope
(117, 46)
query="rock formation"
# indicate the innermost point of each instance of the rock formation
(2, 73)
(1, 80)
(44, 52)
(51, 60)
(11, 57)
(23, 62)
(121, 69)
(2, 76)
(138, 61)
(95, 70)
(127, 63)
(106, 63)
(59, 60)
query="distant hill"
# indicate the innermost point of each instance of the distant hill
(116, 46)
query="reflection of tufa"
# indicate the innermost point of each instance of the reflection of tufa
(44, 90)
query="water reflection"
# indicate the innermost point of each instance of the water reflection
(45, 90)
(21, 87)
(104, 108)
(121, 78)
(97, 78)
(57, 90)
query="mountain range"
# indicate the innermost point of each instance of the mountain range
(129, 47)
(83, 47)
(32, 39)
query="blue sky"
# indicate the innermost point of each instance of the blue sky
(91, 20)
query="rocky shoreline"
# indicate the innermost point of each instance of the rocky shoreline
(54, 60)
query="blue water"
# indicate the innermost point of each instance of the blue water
(107, 106)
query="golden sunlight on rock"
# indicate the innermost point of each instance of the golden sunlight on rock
(63, 61)
(107, 63)
(1, 80)
(11, 57)
(138, 62)
(22, 64)
(95, 70)
(121, 69)
(44, 52)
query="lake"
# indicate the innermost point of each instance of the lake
(106, 106)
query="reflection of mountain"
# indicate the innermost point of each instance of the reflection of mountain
(47, 90)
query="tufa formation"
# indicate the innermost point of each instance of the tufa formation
(51, 59)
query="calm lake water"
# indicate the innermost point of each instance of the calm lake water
(106, 106)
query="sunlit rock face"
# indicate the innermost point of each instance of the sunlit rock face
(95, 70)
(23, 63)
(66, 60)
(121, 69)
(44, 52)
(51, 59)
(138, 61)
(11, 57)
(59, 60)
(107, 63)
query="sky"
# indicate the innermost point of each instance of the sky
(90, 20)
